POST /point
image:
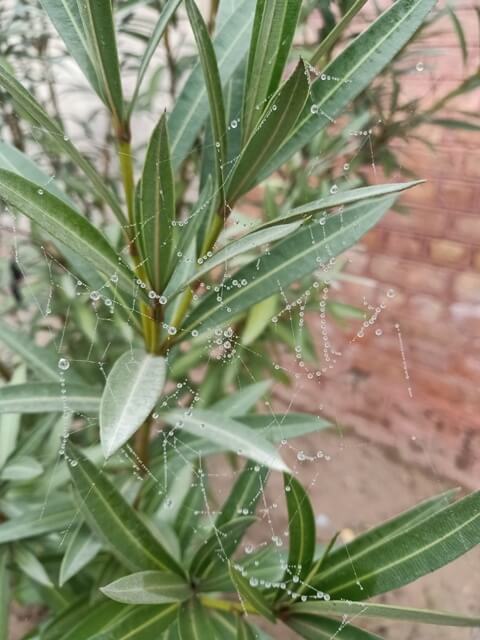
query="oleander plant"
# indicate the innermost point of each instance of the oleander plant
(133, 300)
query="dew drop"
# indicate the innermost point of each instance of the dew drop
(63, 364)
(334, 189)
(94, 296)
(420, 66)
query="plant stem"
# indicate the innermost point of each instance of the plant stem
(225, 605)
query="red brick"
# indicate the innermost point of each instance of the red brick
(466, 227)
(466, 287)
(411, 275)
(457, 195)
(426, 308)
(476, 260)
(423, 221)
(403, 245)
(423, 194)
(448, 252)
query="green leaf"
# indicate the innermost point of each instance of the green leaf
(339, 199)
(230, 434)
(21, 468)
(373, 538)
(251, 595)
(148, 587)
(157, 207)
(258, 319)
(166, 14)
(244, 630)
(131, 391)
(451, 123)
(190, 512)
(66, 18)
(211, 75)
(39, 397)
(12, 159)
(457, 25)
(32, 110)
(97, 19)
(10, 423)
(409, 555)
(291, 259)
(245, 493)
(240, 402)
(31, 566)
(194, 622)
(279, 117)
(81, 549)
(140, 623)
(115, 521)
(246, 243)
(36, 522)
(273, 31)
(351, 72)
(218, 548)
(66, 225)
(334, 35)
(301, 527)
(277, 427)
(358, 610)
(191, 108)
(4, 593)
(83, 620)
(317, 628)
(41, 360)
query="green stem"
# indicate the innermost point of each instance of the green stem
(225, 605)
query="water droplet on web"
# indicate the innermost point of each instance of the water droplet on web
(114, 278)
(253, 582)
(420, 66)
(378, 332)
(391, 293)
(40, 192)
(234, 124)
(94, 296)
(152, 295)
(346, 167)
(63, 364)
(249, 549)
(162, 300)
(172, 331)
(334, 189)
(314, 109)
(73, 463)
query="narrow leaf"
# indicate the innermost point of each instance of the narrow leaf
(97, 19)
(340, 199)
(157, 207)
(82, 620)
(148, 587)
(243, 400)
(21, 468)
(189, 514)
(291, 259)
(10, 423)
(35, 523)
(248, 242)
(115, 521)
(194, 622)
(258, 319)
(41, 360)
(280, 115)
(245, 494)
(244, 630)
(251, 595)
(81, 549)
(32, 110)
(140, 623)
(31, 566)
(66, 225)
(357, 610)
(327, 44)
(66, 18)
(273, 29)
(153, 42)
(233, 435)
(39, 397)
(221, 544)
(191, 108)
(318, 628)
(301, 527)
(211, 75)
(132, 389)
(277, 427)
(350, 73)
(409, 555)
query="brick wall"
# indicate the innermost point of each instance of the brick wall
(412, 380)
